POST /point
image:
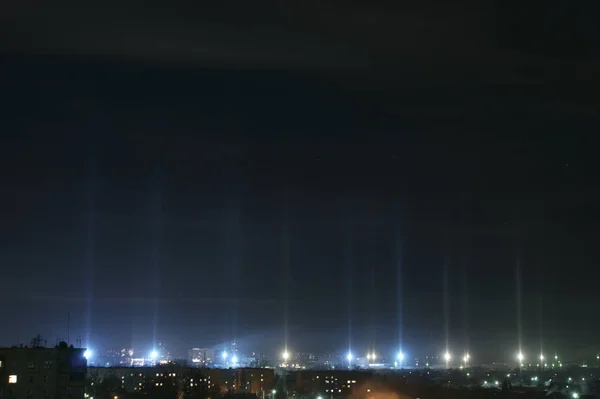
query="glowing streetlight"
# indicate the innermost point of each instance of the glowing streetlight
(87, 354)
(373, 356)
(285, 355)
(520, 357)
(224, 355)
(368, 356)
(349, 358)
(234, 359)
(447, 358)
(542, 357)
(400, 356)
(153, 355)
(466, 358)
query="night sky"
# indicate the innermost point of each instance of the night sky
(197, 175)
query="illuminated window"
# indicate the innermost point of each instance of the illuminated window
(12, 379)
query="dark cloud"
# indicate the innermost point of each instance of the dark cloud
(426, 41)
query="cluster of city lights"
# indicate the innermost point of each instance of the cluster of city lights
(225, 356)
(447, 356)
(371, 358)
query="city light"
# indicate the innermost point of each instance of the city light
(273, 392)
(285, 355)
(520, 356)
(466, 358)
(575, 395)
(224, 355)
(87, 354)
(319, 397)
(234, 359)
(153, 355)
(542, 357)
(447, 356)
(349, 356)
(400, 356)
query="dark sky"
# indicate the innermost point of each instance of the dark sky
(157, 162)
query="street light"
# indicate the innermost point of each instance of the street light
(285, 355)
(224, 355)
(447, 358)
(521, 357)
